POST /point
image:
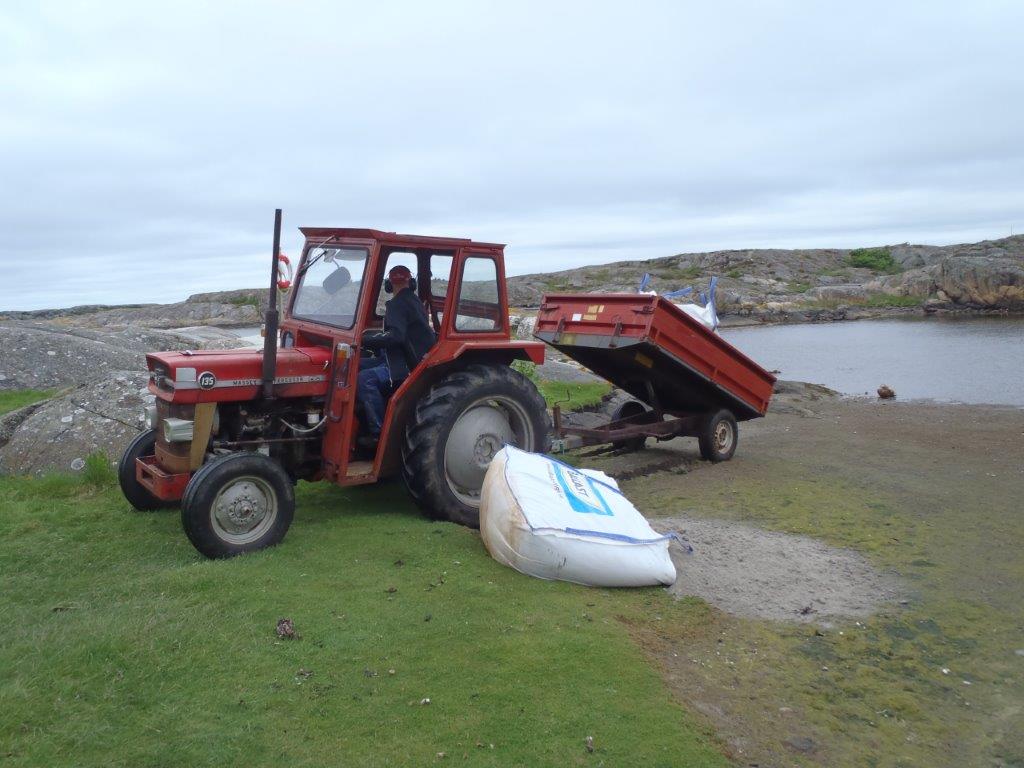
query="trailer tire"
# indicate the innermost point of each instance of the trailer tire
(238, 503)
(719, 435)
(136, 493)
(627, 409)
(457, 428)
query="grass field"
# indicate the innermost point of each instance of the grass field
(122, 647)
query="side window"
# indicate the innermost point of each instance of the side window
(478, 308)
(440, 276)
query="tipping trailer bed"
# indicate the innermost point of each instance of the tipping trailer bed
(653, 350)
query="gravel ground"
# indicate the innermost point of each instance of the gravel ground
(748, 571)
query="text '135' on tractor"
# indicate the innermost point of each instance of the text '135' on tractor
(233, 431)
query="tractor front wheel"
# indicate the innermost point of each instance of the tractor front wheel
(137, 494)
(237, 503)
(458, 427)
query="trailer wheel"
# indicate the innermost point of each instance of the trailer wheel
(136, 493)
(627, 409)
(718, 436)
(457, 428)
(237, 503)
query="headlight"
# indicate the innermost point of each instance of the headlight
(177, 430)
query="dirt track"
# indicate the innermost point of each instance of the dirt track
(927, 494)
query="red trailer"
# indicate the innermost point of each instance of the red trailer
(692, 381)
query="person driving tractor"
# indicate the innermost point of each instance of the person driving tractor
(406, 338)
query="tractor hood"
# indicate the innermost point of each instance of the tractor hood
(216, 375)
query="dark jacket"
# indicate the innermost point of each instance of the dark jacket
(407, 336)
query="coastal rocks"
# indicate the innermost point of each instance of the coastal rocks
(991, 280)
(48, 356)
(844, 292)
(885, 392)
(798, 397)
(778, 285)
(102, 416)
(223, 309)
(183, 313)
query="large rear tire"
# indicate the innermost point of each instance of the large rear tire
(457, 428)
(137, 494)
(237, 503)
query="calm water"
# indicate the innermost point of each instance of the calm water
(977, 360)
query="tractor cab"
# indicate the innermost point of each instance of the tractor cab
(338, 298)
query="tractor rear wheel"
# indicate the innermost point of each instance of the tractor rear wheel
(718, 436)
(457, 428)
(237, 503)
(137, 494)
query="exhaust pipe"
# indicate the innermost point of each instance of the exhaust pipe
(270, 320)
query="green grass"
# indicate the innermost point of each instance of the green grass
(677, 273)
(887, 300)
(877, 259)
(12, 399)
(735, 274)
(798, 287)
(875, 301)
(572, 396)
(245, 301)
(122, 647)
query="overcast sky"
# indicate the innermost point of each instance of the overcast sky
(144, 146)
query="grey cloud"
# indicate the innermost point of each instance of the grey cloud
(142, 154)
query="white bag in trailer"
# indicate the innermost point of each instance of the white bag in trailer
(549, 520)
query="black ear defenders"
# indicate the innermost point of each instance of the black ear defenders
(389, 288)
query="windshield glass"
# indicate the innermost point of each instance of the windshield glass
(328, 287)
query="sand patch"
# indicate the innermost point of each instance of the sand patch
(748, 571)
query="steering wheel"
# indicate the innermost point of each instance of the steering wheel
(284, 266)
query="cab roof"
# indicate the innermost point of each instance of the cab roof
(392, 238)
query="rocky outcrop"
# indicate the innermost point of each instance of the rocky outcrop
(222, 309)
(99, 417)
(983, 280)
(770, 285)
(48, 356)
(985, 275)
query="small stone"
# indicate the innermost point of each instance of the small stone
(885, 392)
(66, 419)
(78, 465)
(285, 629)
(801, 744)
(424, 702)
(589, 743)
(51, 353)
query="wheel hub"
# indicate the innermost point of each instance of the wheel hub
(241, 507)
(723, 436)
(477, 436)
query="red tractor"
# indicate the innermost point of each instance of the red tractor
(232, 431)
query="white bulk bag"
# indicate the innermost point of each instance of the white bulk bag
(549, 520)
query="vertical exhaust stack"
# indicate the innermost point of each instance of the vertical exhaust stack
(270, 320)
